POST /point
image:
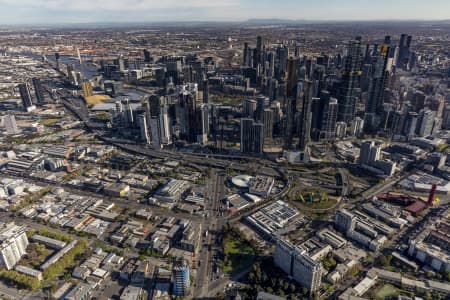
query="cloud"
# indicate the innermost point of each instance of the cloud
(118, 5)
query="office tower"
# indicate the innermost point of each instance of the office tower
(404, 52)
(369, 153)
(344, 220)
(259, 42)
(418, 100)
(425, 123)
(295, 261)
(188, 115)
(252, 136)
(246, 55)
(261, 102)
(147, 57)
(317, 107)
(289, 123)
(249, 108)
(70, 69)
(206, 91)
(272, 89)
(128, 116)
(270, 70)
(291, 94)
(86, 87)
(375, 99)
(306, 116)
(58, 60)
(258, 138)
(159, 122)
(10, 124)
(349, 87)
(38, 91)
(113, 88)
(13, 244)
(142, 122)
(297, 51)
(120, 62)
(357, 127)
(276, 109)
(268, 123)
(180, 277)
(25, 94)
(205, 121)
(411, 124)
(281, 62)
(322, 117)
(328, 122)
(292, 77)
(341, 130)
(308, 65)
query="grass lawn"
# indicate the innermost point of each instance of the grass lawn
(320, 205)
(48, 122)
(387, 290)
(240, 255)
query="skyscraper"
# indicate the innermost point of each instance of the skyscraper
(246, 55)
(252, 136)
(25, 94)
(425, 123)
(306, 116)
(205, 122)
(349, 88)
(249, 108)
(38, 91)
(292, 77)
(180, 275)
(404, 50)
(328, 122)
(268, 123)
(291, 100)
(375, 99)
(147, 57)
(281, 62)
(142, 122)
(206, 91)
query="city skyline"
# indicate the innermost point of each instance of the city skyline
(62, 11)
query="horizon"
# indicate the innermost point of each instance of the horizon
(48, 12)
(250, 22)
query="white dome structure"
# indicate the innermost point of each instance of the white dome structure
(242, 181)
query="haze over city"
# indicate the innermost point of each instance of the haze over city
(229, 150)
(64, 11)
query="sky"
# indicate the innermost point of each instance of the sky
(88, 11)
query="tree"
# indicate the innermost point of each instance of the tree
(385, 260)
(329, 262)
